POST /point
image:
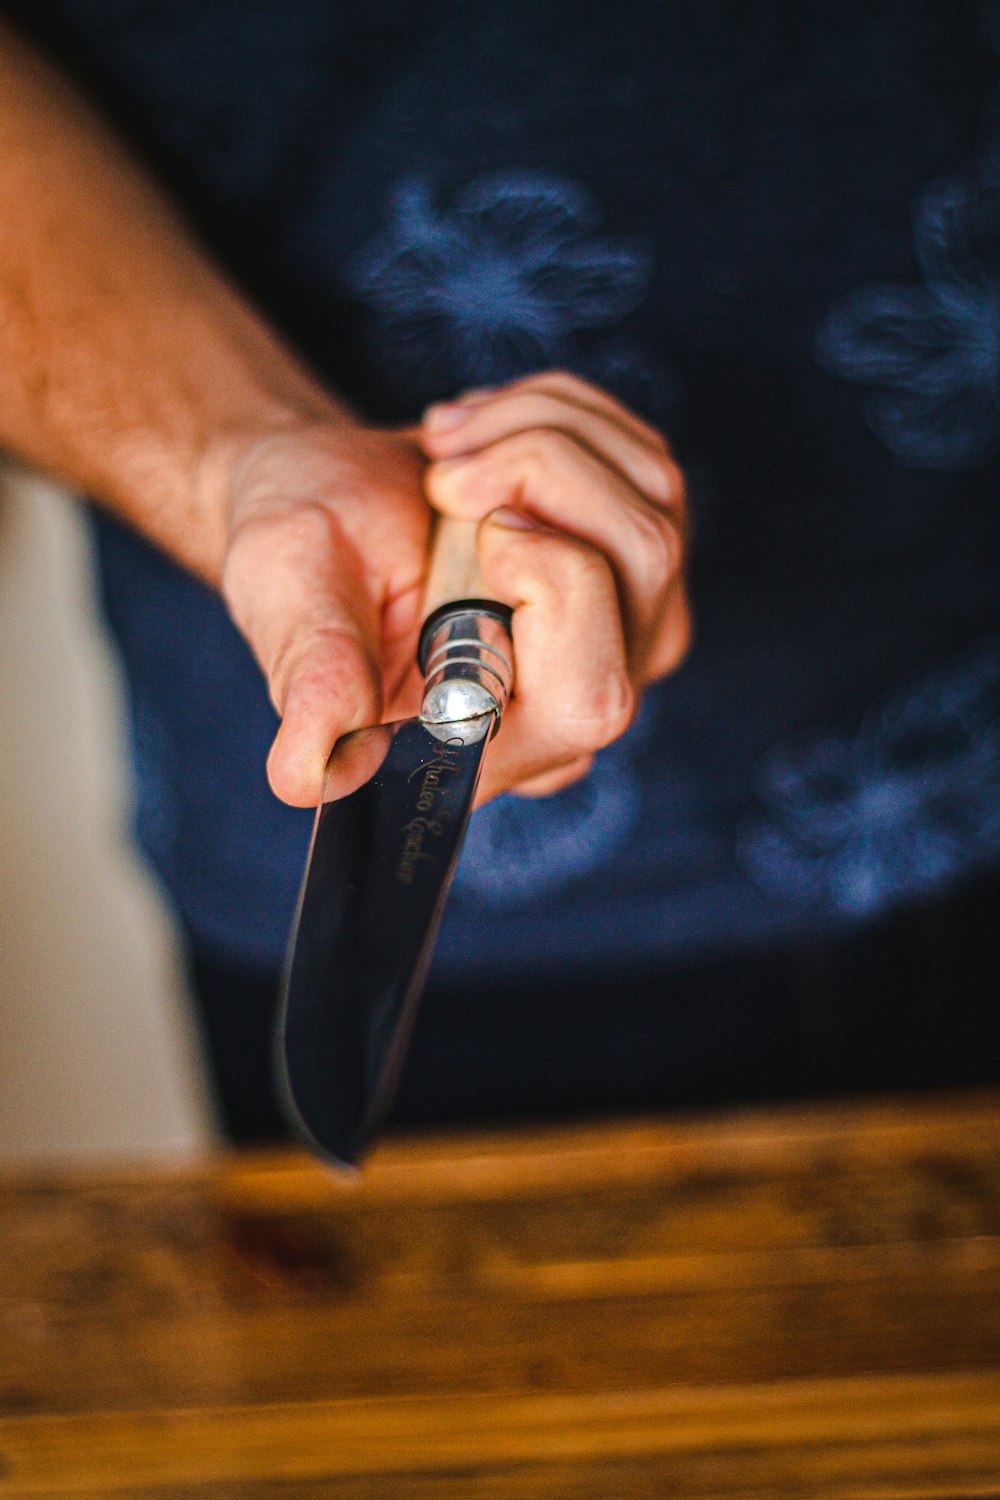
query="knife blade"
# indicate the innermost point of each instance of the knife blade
(386, 840)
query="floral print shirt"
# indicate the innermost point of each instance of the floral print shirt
(773, 229)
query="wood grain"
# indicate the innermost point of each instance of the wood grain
(454, 570)
(116, 1452)
(804, 1302)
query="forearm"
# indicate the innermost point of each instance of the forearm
(127, 365)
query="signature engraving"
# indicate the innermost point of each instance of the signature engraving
(433, 815)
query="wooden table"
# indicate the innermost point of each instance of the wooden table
(786, 1304)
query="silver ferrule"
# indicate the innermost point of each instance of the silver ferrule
(468, 669)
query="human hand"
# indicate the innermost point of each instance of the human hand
(323, 572)
(582, 530)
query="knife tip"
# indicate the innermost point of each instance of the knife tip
(347, 1163)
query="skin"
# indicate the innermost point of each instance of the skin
(132, 370)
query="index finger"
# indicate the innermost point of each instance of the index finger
(573, 390)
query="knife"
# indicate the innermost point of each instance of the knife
(385, 843)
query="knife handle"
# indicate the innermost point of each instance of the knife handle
(466, 652)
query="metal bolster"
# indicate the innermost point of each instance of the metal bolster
(466, 654)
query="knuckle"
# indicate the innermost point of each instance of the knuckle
(682, 642)
(682, 637)
(532, 406)
(567, 383)
(583, 573)
(305, 530)
(678, 484)
(604, 717)
(449, 480)
(561, 385)
(675, 641)
(532, 460)
(657, 550)
(673, 479)
(542, 380)
(547, 451)
(471, 485)
(660, 450)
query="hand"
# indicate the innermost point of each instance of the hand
(583, 526)
(583, 532)
(323, 572)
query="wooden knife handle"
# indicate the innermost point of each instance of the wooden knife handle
(465, 652)
(454, 571)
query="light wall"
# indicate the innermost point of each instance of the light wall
(97, 1056)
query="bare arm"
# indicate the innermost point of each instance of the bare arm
(130, 367)
(126, 362)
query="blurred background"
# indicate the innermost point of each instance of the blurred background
(98, 1050)
(97, 1054)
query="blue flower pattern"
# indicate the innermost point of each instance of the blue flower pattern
(932, 351)
(504, 282)
(908, 804)
(513, 277)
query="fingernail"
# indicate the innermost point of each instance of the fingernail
(444, 417)
(512, 519)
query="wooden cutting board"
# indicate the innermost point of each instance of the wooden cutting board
(793, 1303)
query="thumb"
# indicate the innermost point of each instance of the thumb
(328, 686)
(294, 587)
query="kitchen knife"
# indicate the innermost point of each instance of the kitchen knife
(386, 840)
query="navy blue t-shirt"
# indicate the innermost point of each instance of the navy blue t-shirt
(773, 229)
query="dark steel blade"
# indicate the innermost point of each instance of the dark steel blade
(383, 853)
